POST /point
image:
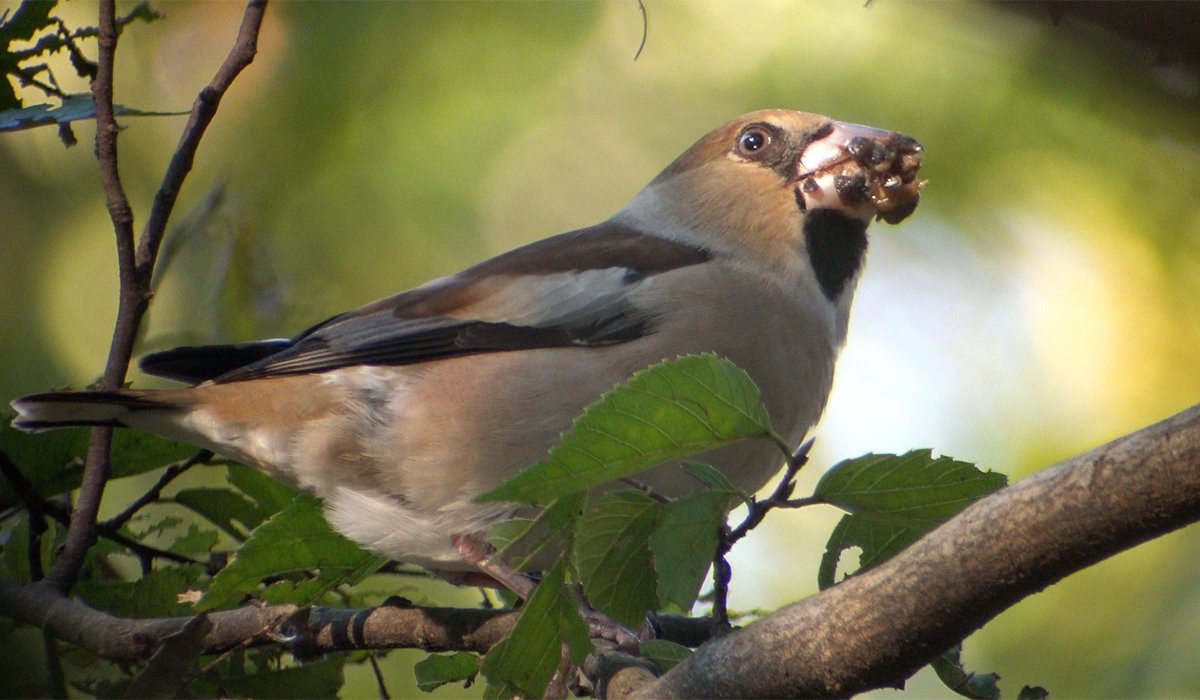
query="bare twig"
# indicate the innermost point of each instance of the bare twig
(383, 691)
(172, 472)
(144, 552)
(203, 111)
(97, 467)
(756, 511)
(136, 264)
(54, 668)
(644, 488)
(872, 630)
(35, 505)
(645, 29)
(39, 509)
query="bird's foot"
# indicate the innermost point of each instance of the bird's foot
(477, 552)
(601, 626)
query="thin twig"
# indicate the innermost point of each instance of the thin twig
(203, 111)
(33, 503)
(144, 552)
(875, 629)
(39, 509)
(801, 502)
(54, 668)
(171, 473)
(756, 511)
(317, 630)
(645, 29)
(383, 691)
(644, 488)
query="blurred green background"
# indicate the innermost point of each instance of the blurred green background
(1045, 298)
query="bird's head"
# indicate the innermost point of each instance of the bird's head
(761, 181)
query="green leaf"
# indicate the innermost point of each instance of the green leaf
(507, 534)
(22, 24)
(439, 669)
(671, 410)
(321, 679)
(221, 507)
(195, 541)
(74, 108)
(154, 595)
(527, 659)
(270, 495)
(53, 461)
(712, 478)
(663, 654)
(612, 555)
(295, 540)
(914, 488)
(135, 452)
(853, 532)
(500, 690)
(224, 506)
(157, 528)
(521, 540)
(684, 544)
(977, 686)
(894, 500)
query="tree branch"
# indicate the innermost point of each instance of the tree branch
(876, 629)
(307, 631)
(136, 266)
(97, 466)
(203, 111)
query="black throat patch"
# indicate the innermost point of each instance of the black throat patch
(836, 247)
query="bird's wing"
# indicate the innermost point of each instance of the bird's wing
(569, 290)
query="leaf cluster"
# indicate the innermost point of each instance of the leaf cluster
(33, 21)
(253, 539)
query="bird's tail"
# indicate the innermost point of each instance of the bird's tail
(63, 409)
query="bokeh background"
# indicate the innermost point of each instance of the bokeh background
(1045, 297)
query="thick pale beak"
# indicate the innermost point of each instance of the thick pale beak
(866, 173)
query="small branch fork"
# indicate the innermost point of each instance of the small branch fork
(135, 261)
(781, 497)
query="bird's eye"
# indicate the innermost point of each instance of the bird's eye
(751, 141)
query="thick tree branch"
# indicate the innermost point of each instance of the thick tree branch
(877, 629)
(307, 631)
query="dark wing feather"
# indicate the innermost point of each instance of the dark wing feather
(195, 364)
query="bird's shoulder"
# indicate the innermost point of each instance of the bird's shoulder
(596, 258)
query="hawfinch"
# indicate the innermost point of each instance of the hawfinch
(398, 414)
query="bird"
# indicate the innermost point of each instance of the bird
(398, 414)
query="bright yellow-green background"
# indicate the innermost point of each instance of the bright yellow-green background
(1044, 298)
